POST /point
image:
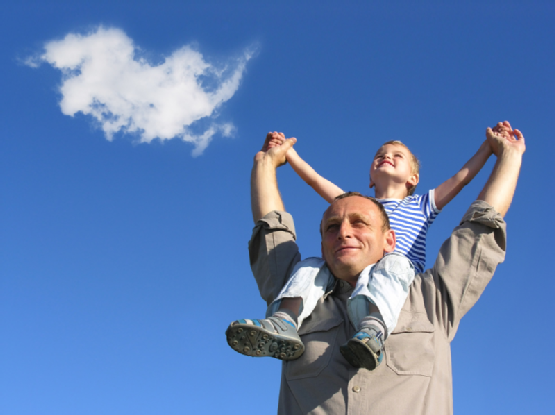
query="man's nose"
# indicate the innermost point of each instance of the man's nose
(345, 231)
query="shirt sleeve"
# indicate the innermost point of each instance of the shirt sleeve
(273, 253)
(466, 263)
(428, 206)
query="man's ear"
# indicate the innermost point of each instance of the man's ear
(389, 241)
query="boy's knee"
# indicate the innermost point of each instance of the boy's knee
(397, 266)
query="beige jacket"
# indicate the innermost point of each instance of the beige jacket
(415, 376)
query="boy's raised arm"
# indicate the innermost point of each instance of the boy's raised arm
(323, 187)
(447, 190)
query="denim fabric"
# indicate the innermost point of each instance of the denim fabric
(310, 280)
(386, 284)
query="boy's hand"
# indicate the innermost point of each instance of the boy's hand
(502, 137)
(273, 139)
(274, 149)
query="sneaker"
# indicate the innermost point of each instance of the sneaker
(271, 337)
(365, 349)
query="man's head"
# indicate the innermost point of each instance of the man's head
(355, 233)
(395, 162)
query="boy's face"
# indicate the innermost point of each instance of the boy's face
(392, 163)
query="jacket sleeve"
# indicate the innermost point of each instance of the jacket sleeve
(273, 253)
(466, 263)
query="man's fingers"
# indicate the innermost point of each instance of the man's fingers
(277, 143)
(272, 140)
(518, 134)
(502, 137)
(521, 140)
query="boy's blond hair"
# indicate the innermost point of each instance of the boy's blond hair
(414, 162)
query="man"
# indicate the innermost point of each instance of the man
(416, 377)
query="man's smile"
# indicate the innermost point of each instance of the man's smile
(346, 248)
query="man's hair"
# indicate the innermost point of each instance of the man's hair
(414, 162)
(385, 219)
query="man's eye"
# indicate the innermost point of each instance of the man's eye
(331, 227)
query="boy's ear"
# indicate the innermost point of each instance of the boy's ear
(414, 179)
(389, 241)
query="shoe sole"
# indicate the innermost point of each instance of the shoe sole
(358, 355)
(257, 342)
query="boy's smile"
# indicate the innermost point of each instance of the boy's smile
(391, 164)
(385, 161)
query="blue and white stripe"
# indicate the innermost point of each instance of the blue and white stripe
(410, 219)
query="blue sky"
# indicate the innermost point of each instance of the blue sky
(123, 262)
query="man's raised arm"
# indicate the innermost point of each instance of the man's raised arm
(508, 145)
(468, 259)
(265, 196)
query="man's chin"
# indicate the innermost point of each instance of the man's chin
(346, 271)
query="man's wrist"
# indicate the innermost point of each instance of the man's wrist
(263, 160)
(258, 156)
(510, 153)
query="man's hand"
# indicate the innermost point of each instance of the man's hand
(503, 138)
(275, 148)
(265, 195)
(273, 139)
(508, 145)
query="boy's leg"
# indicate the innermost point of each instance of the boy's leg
(375, 307)
(276, 335)
(289, 309)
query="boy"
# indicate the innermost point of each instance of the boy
(382, 288)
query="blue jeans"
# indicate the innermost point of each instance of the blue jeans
(385, 284)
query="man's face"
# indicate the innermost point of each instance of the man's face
(353, 238)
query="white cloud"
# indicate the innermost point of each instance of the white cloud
(103, 77)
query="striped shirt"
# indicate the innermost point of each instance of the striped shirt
(410, 219)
